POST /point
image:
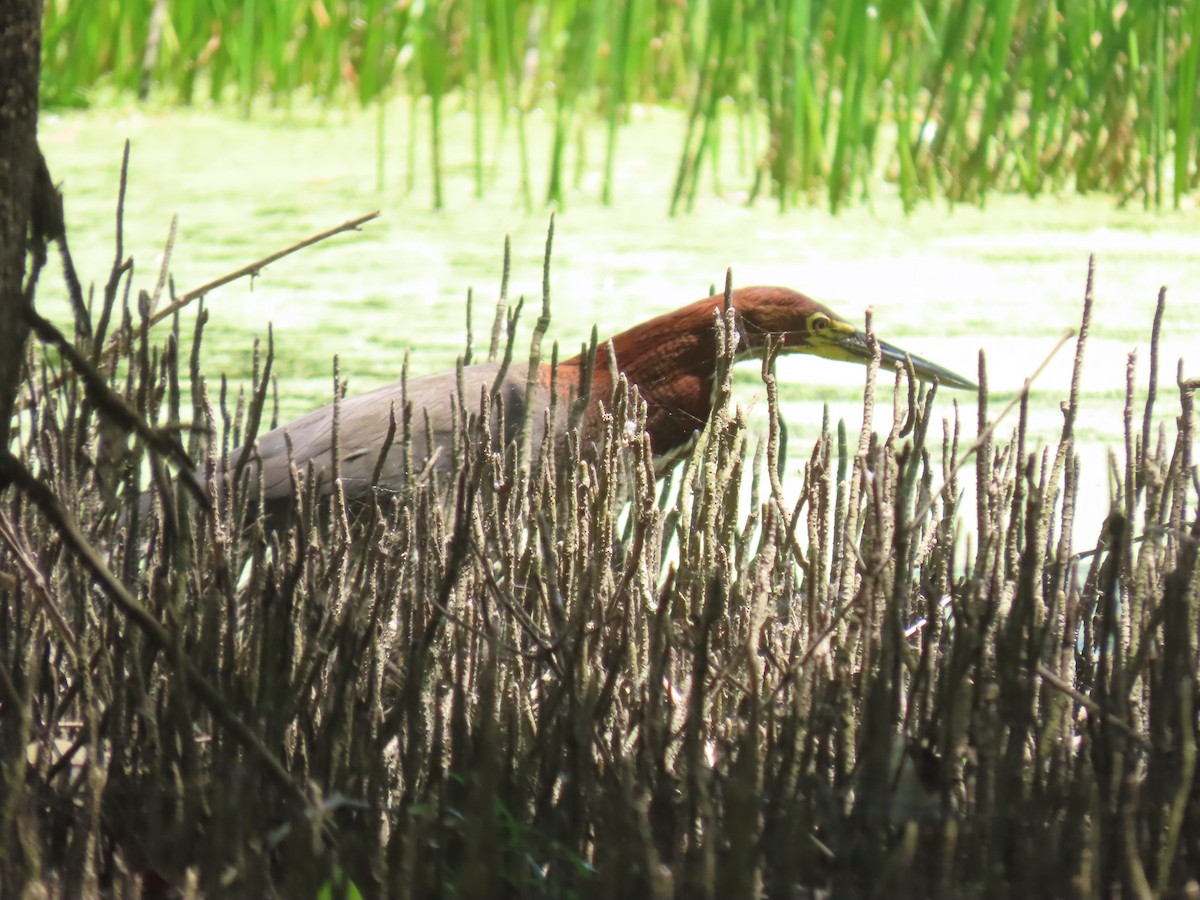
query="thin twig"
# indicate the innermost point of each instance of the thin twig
(927, 504)
(251, 270)
(1088, 703)
(111, 404)
(14, 471)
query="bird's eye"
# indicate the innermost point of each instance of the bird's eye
(817, 322)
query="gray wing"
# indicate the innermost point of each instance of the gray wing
(363, 426)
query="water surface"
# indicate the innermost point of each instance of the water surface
(946, 283)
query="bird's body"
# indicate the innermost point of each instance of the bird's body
(672, 359)
(364, 421)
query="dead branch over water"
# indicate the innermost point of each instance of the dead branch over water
(557, 676)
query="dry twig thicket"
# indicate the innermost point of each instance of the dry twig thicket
(556, 677)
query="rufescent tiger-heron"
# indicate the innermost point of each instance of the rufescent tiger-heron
(672, 359)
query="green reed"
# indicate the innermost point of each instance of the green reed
(953, 98)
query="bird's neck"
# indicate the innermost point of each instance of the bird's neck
(672, 360)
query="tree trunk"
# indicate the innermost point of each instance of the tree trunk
(20, 58)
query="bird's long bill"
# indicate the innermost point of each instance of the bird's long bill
(853, 347)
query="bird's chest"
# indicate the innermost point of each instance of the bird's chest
(675, 411)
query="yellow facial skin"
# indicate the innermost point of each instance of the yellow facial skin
(833, 338)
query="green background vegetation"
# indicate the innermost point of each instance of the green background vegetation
(953, 98)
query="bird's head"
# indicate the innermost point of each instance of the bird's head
(806, 326)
